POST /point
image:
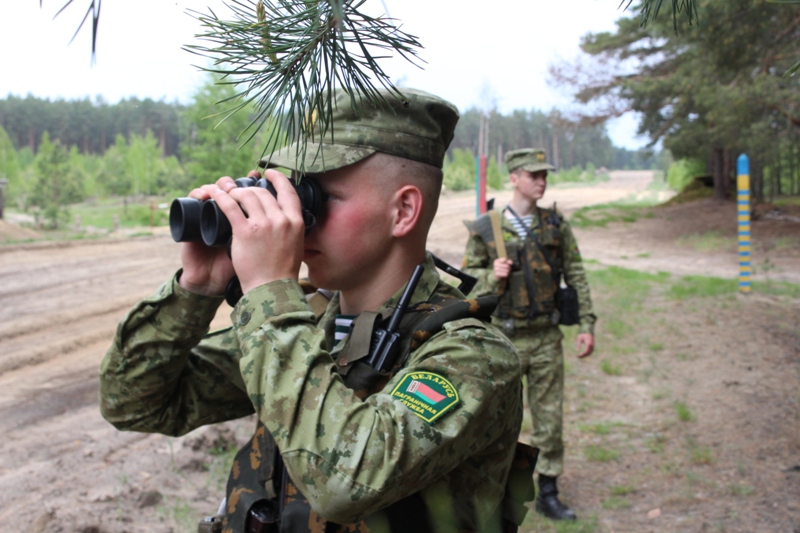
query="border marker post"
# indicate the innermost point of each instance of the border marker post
(743, 207)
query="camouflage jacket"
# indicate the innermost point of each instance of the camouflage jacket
(479, 259)
(350, 457)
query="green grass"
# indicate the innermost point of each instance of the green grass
(684, 413)
(101, 213)
(687, 287)
(622, 490)
(600, 216)
(610, 368)
(701, 286)
(534, 522)
(710, 241)
(702, 455)
(782, 243)
(615, 502)
(656, 444)
(600, 428)
(600, 454)
(740, 489)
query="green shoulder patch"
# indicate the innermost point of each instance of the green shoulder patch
(427, 394)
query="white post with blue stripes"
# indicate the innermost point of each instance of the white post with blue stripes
(743, 204)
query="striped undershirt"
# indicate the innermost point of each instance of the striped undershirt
(343, 324)
(527, 220)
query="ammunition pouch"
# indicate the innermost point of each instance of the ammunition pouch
(568, 306)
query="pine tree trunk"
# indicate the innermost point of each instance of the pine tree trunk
(718, 172)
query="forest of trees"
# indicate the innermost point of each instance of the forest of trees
(709, 92)
(54, 153)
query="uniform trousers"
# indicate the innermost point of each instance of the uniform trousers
(542, 362)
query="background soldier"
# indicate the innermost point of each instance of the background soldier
(424, 445)
(540, 248)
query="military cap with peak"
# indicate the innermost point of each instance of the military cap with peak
(418, 127)
(530, 159)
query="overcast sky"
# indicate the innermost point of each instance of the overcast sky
(500, 48)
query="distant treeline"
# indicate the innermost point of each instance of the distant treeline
(566, 143)
(93, 125)
(90, 125)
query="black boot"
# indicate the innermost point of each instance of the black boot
(547, 502)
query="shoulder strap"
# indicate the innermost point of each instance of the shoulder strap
(532, 237)
(497, 232)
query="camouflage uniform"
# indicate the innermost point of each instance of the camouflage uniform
(350, 457)
(537, 339)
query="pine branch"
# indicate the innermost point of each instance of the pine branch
(286, 57)
(649, 10)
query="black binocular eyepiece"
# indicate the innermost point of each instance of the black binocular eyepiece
(193, 220)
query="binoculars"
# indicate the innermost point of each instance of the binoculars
(193, 220)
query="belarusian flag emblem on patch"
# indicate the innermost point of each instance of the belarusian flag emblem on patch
(428, 395)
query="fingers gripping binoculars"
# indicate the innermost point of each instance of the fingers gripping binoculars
(193, 220)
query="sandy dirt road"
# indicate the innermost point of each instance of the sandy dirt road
(62, 467)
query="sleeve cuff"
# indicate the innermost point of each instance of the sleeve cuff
(185, 310)
(272, 299)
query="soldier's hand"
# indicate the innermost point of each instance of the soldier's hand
(502, 267)
(584, 343)
(268, 241)
(206, 270)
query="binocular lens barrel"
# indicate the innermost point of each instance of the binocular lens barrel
(184, 219)
(214, 226)
(193, 220)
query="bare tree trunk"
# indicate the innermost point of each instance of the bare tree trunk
(555, 150)
(717, 171)
(726, 171)
(757, 178)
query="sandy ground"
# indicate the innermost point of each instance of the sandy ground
(63, 468)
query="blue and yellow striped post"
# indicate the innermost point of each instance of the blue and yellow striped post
(743, 204)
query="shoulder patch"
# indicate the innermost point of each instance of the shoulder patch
(428, 395)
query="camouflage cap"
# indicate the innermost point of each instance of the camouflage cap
(530, 159)
(419, 128)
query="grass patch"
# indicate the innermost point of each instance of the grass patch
(615, 502)
(539, 524)
(600, 454)
(219, 467)
(701, 286)
(684, 413)
(687, 287)
(610, 368)
(782, 243)
(599, 216)
(133, 213)
(622, 490)
(702, 455)
(740, 489)
(710, 241)
(181, 514)
(656, 444)
(601, 428)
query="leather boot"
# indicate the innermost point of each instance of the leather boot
(547, 502)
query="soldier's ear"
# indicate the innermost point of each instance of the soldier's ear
(406, 205)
